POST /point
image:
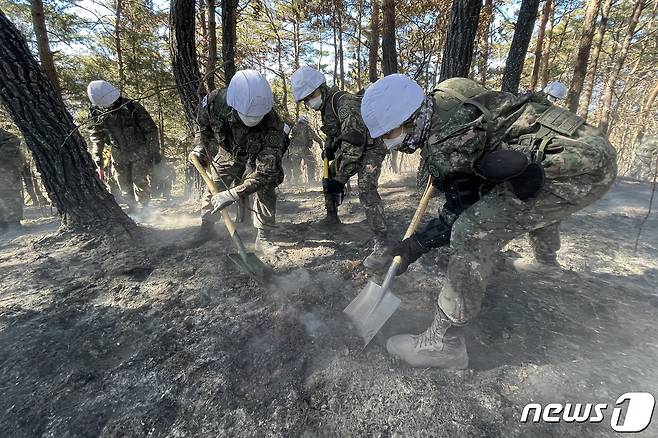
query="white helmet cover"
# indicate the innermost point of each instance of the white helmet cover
(102, 93)
(249, 93)
(389, 102)
(305, 81)
(556, 89)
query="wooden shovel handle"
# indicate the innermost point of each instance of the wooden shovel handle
(325, 168)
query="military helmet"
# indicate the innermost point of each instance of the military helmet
(445, 96)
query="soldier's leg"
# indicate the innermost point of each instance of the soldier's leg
(123, 177)
(11, 206)
(545, 243)
(374, 208)
(142, 168)
(331, 202)
(311, 170)
(264, 217)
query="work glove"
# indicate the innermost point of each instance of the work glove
(329, 154)
(333, 186)
(410, 250)
(223, 199)
(200, 154)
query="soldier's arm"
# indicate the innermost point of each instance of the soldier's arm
(456, 155)
(354, 141)
(148, 127)
(267, 164)
(98, 139)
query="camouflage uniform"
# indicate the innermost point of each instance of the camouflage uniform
(302, 137)
(133, 135)
(164, 175)
(11, 185)
(579, 169)
(358, 154)
(234, 146)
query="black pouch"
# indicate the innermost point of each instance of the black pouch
(502, 165)
(528, 183)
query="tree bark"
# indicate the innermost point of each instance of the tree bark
(486, 16)
(58, 148)
(389, 51)
(520, 42)
(458, 50)
(212, 45)
(117, 42)
(374, 42)
(604, 121)
(582, 58)
(646, 113)
(546, 49)
(43, 45)
(341, 55)
(534, 80)
(183, 58)
(590, 77)
(229, 37)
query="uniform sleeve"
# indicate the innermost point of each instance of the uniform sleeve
(147, 126)
(98, 138)
(354, 140)
(268, 164)
(205, 142)
(316, 138)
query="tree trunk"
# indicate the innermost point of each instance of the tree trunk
(117, 43)
(229, 36)
(389, 52)
(43, 45)
(183, 58)
(590, 77)
(483, 45)
(58, 148)
(359, 32)
(341, 55)
(520, 42)
(374, 42)
(604, 121)
(546, 49)
(458, 50)
(646, 113)
(582, 58)
(212, 45)
(534, 80)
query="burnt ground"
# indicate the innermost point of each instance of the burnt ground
(154, 338)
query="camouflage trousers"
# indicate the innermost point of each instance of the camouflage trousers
(11, 204)
(227, 172)
(131, 173)
(293, 168)
(368, 184)
(575, 180)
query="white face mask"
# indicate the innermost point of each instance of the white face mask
(315, 103)
(250, 120)
(393, 144)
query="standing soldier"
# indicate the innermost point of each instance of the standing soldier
(302, 137)
(11, 184)
(133, 135)
(352, 150)
(238, 127)
(508, 166)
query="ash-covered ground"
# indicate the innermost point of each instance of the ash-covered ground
(158, 338)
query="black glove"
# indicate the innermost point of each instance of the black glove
(329, 154)
(333, 186)
(409, 250)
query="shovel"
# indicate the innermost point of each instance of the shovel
(247, 261)
(375, 304)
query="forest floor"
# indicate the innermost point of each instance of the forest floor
(155, 338)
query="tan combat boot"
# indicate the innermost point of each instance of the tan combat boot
(544, 264)
(264, 242)
(432, 348)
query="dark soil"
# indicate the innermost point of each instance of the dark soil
(159, 338)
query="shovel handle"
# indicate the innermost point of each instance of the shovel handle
(230, 225)
(415, 221)
(325, 168)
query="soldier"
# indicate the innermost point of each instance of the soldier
(238, 127)
(133, 135)
(11, 185)
(164, 175)
(302, 137)
(507, 164)
(352, 150)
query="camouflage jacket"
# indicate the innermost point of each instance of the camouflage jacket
(11, 161)
(126, 126)
(302, 137)
(343, 124)
(262, 145)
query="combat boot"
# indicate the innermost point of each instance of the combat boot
(379, 259)
(544, 264)
(331, 205)
(264, 241)
(439, 346)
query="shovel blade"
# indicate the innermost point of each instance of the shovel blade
(370, 310)
(252, 265)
